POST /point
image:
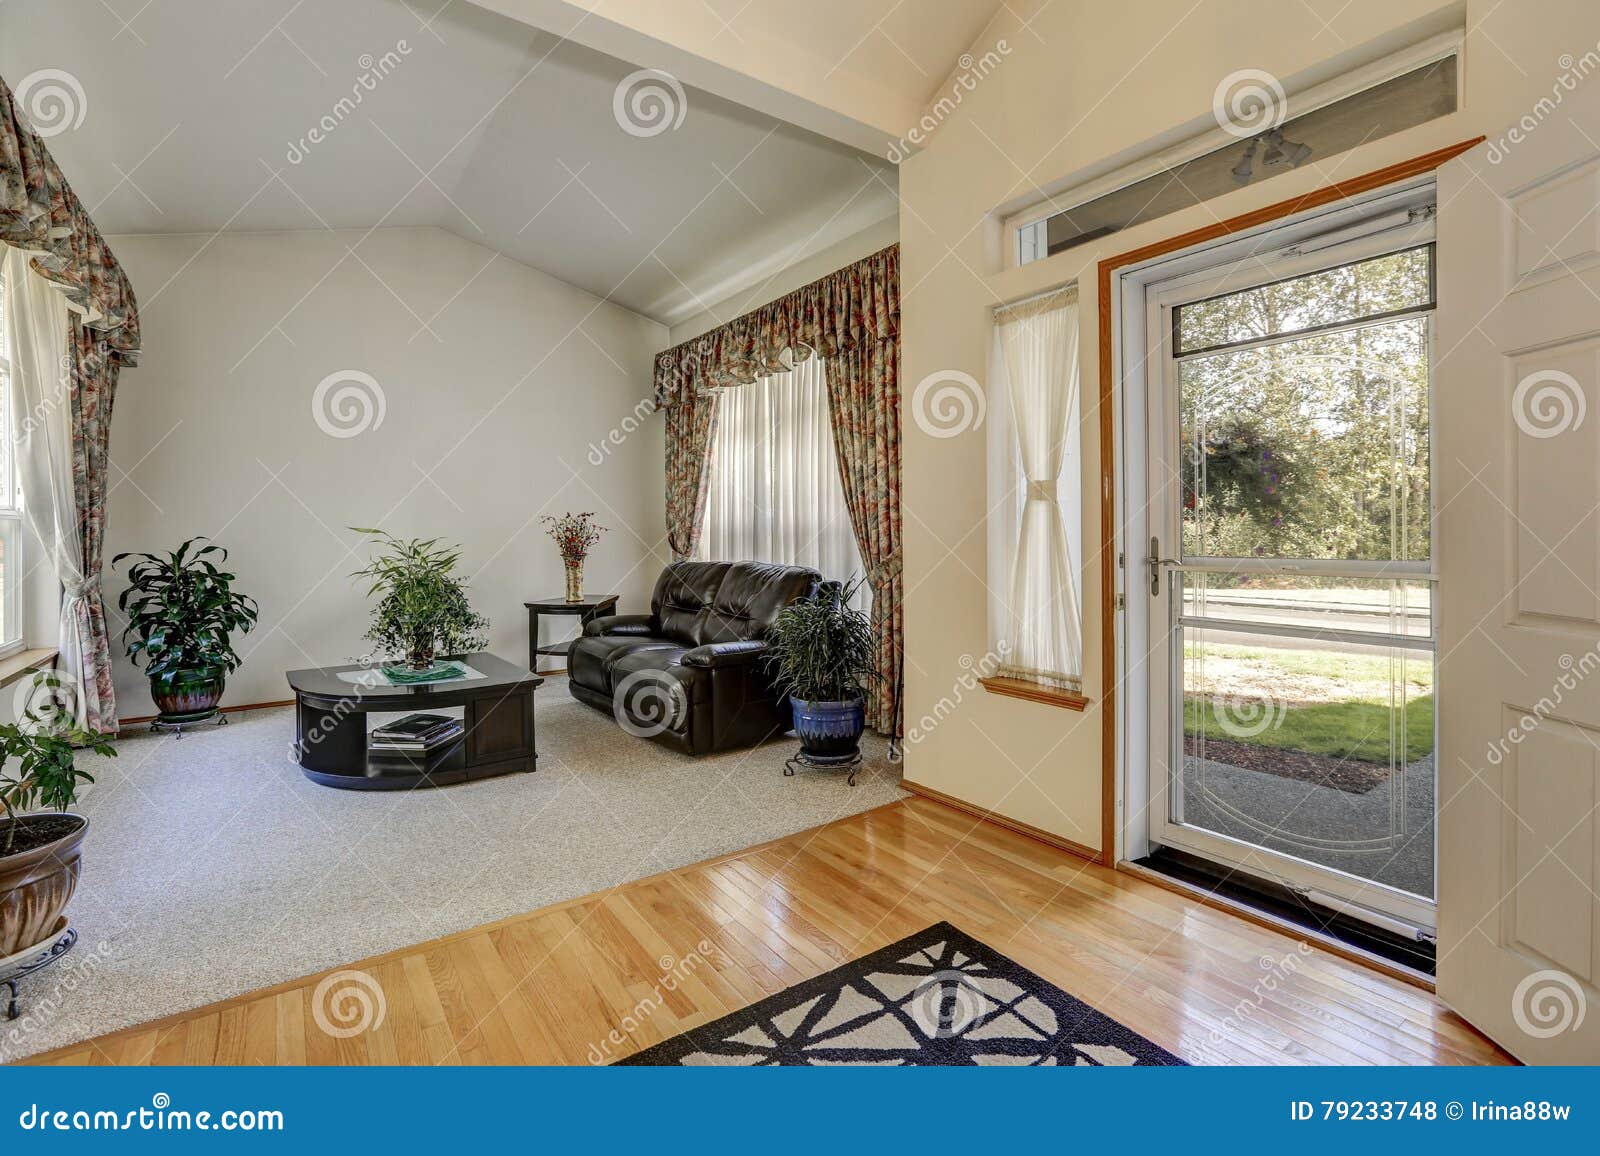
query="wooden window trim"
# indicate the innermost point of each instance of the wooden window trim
(1035, 692)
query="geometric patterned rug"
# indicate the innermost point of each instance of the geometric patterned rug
(937, 997)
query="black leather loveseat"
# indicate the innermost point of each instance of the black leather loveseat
(690, 673)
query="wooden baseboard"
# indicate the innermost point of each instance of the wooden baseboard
(1059, 842)
(125, 723)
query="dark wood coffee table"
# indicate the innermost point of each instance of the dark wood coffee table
(331, 726)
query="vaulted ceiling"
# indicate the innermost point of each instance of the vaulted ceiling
(198, 116)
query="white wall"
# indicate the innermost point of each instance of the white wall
(495, 380)
(1085, 83)
(791, 277)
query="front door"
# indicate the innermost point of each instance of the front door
(1519, 526)
(1290, 578)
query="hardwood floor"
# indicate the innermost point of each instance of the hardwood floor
(599, 977)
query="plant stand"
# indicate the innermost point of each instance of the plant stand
(36, 958)
(851, 763)
(178, 725)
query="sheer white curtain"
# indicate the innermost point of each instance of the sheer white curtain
(774, 493)
(1035, 618)
(40, 424)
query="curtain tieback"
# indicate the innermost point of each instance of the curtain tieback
(1042, 492)
(885, 572)
(82, 589)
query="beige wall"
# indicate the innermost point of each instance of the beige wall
(1087, 82)
(791, 277)
(521, 374)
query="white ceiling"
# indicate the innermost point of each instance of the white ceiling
(487, 127)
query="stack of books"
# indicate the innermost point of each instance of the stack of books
(414, 737)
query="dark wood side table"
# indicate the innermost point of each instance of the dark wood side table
(593, 606)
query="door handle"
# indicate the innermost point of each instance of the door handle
(1155, 561)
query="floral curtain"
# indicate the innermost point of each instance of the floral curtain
(864, 406)
(850, 319)
(691, 423)
(40, 214)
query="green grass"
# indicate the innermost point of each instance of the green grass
(1343, 730)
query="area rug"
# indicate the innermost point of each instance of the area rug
(213, 867)
(936, 997)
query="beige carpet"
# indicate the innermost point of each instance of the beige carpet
(213, 867)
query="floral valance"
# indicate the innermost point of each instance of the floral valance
(40, 213)
(858, 305)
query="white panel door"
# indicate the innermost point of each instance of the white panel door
(1517, 426)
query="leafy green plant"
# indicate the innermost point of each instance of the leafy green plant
(182, 609)
(820, 649)
(45, 774)
(422, 609)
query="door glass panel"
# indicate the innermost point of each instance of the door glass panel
(1319, 751)
(1380, 606)
(1302, 718)
(1312, 447)
(1337, 296)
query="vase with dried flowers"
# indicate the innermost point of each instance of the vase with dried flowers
(574, 535)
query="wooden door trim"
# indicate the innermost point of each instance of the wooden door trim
(1327, 194)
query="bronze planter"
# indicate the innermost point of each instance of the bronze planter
(37, 885)
(184, 696)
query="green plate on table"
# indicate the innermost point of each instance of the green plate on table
(438, 672)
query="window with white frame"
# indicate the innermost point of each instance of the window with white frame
(1035, 496)
(774, 493)
(11, 567)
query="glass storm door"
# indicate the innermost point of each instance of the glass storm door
(1289, 577)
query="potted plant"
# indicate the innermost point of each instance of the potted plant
(575, 535)
(422, 608)
(821, 651)
(39, 853)
(182, 613)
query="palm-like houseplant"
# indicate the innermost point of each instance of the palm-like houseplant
(39, 853)
(422, 608)
(182, 614)
(821, 652)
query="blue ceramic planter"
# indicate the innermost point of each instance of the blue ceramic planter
(829, 731)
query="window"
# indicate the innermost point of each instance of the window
(12, 573)
(1035, 524)
(774, 493)
(1389, 97)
